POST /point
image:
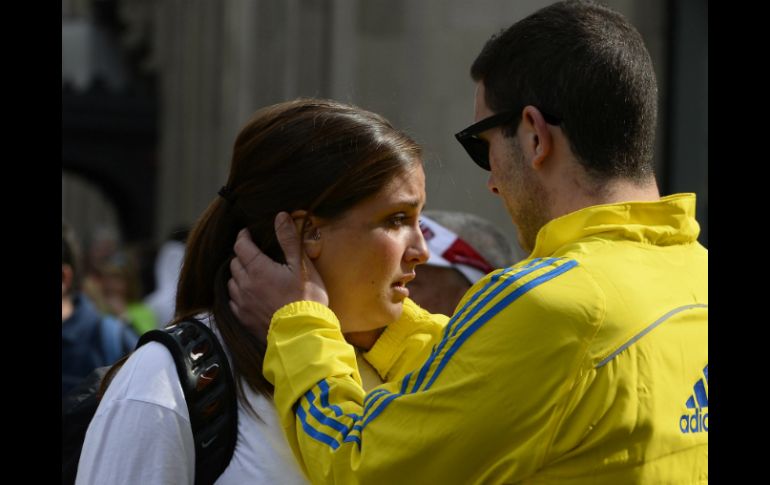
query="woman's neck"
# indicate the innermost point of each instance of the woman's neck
(364, 340)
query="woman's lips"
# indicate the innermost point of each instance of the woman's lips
(401, 289)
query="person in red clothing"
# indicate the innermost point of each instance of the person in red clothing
(463, 248)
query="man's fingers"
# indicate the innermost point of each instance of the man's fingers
(286, 232)
(234, 290)
(237, 269)
(245, 249)
(236, 311)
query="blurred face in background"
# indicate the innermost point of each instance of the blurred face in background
(114, 292)
(438, 289)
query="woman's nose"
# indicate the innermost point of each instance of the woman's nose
(418, 252)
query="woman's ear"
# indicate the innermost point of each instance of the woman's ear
(311, 239)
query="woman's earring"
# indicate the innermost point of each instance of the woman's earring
(316, 235)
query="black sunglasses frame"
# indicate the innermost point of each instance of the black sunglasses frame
(477, 148)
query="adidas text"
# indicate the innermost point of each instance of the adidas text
(698, 422)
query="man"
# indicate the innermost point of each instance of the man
(88, 339)
(463, 248)
(585, 363)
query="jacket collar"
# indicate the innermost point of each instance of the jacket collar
(666, 222)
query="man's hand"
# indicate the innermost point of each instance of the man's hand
(259, 286)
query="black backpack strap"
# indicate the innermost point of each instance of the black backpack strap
(209, 390)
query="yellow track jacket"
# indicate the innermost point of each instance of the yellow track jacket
(586, 363)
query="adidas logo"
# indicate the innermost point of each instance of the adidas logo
(697, 420)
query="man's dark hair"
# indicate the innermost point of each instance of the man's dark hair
(587, 65)
(70, 255)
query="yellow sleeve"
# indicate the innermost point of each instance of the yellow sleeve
(406, 343)
(482, 408)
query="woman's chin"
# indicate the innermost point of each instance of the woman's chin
(394, 312)
(389, 314)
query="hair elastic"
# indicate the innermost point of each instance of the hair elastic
(226, 193)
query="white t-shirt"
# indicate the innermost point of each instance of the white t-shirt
(141, 432)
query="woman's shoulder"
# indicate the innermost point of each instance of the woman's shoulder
(149, 376)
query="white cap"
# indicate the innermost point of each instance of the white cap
(447, 250)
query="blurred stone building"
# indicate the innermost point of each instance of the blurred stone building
(154, 92)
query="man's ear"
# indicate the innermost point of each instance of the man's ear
(537, 141)
(312, 241)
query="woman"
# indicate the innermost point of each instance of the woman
(354, 187)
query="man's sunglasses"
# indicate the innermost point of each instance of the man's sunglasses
(477, 148)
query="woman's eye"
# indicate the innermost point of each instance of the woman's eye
(397, 220)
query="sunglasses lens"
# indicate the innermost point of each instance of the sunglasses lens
(478, 150)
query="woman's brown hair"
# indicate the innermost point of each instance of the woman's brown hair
(315, 155)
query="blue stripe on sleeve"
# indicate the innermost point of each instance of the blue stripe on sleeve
(451, 332)
(321, 417)
(353, 438)
(374, 400)
(382, 407)
(313, 433)
(495, 310)
(376, 396)
(529, 270)
(373, 394)
(324, 386)
(405, 383)
(475, 326)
